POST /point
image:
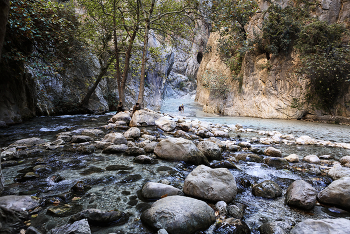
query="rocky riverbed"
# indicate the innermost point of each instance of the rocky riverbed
(160, 173)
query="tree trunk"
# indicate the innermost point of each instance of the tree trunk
(4, 11)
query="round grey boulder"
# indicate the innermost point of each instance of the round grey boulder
(211, 150)
(211, 184)
(179, 149)
(133, 132)
(179, 214)
(324, 226)
(301, 194)
(153, 190)
(337, 193)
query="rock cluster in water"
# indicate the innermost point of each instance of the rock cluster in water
(207, 200)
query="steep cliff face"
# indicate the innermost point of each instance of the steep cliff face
(268, 86)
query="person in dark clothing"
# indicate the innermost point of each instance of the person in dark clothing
(135, 108)
(120, 107)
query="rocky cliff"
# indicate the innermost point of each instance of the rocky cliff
(267, 86)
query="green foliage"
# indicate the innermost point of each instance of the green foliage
(46, 28)
(325, 62)
(281, 28)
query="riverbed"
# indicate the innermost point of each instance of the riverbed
(120, 189)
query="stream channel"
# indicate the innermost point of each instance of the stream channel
(119, 189)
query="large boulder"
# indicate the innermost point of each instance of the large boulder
(78, 227)
(153, 190)
(133, 133)
(166, 124)
(301, 194)
(180, 149)
(179, 214)
(121, 116)
(211, 150)
(115, 138)
(267, 189)
(324, 226)
(337, 193)
(18, 203)
(144, 118)
(211, 184)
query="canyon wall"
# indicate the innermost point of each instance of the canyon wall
(268, 86)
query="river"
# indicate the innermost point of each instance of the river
(119, 189)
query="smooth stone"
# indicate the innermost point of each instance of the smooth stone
(114, 149)
(337, 172)
(276, 162)
(211, 184)
(179, 214)
(293, 158)
(92, 132)
(149, 148)
(245, 145)
(322, 226)
(100, 217)
(301, 194)
(345, 160)
(211, 150)
(135, 151)
(221, 206)
(121, 116)
(78, 227)
(276, 227)
(236, 210)
(232, 225)
(143, 159)
(115, 138)
(165, 124)
(19, 203)
(133, 132)
(80, 139)
(273, 152)
(312, 159)
(152, 190)
(249, 157)
(29, 142)
(267, 189)
(144, 118)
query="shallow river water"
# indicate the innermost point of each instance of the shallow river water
(119, 189)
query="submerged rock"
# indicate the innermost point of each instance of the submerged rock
(100, 217)
(143, 159)
(267, 189)
(211, 184)
(153, 190)
(18, 203)
(179, 214)
(78, 227)
(337, 193)
(301, 194)
(180, 149)
(324, 226)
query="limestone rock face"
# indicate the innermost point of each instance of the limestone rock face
(301, 194)
(179, 149)
(324, 226)
(337, 193)
(211, 184)
(157, 190)
(179, 214)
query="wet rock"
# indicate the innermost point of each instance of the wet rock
(185, 126)
(79, 187)
(80, 139)
(153, 190)
(223, 164)
(301, 194)
(28, 142)
(100, 217)
(337, 193)
(232, 225)
(42, 169)
(64, 211)
(131, 178)
(56, 178)
(162, 231)
(65, 136)
(135, 151)
(121, 116)
(143, 159)
(33, 230)
(327, 157)
(91, 170)
(11, 220)
(132, 133)
(221, 207)
(222, 134)
(30, 176)
(78, 227)
(337, 172)
(144, 118)
(114, 149)
(9, 153)
(175, 215)
(257, 151)
(85, 149)
(273, 152)
(293, 158)
(267, 189)
(115, 138)
(10, 163)
(18, 203)
(118, 167)
(324, 226)
(211, 184)
(149, 148)
(204, 133)
(277, 227)
(149, 137)
(311, 159)
(245, 145)
(236, 210)
(185, 150)
(92, 132)
(276, 162)
(249, 157)
(305, 140)
(165, 124)
(211, 150)
(232, 147)
(180, 133)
